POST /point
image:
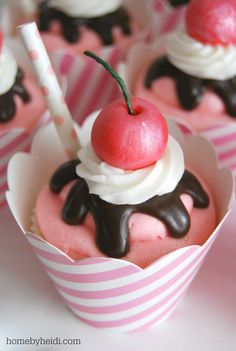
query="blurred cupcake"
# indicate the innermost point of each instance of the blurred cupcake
(81, 25)
(21, 110)
(74, 26)
(191, 74)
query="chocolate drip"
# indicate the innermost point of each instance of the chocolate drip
(176, 3)
(7, 103)
(76, 204)
(63, 175)
(71, 25)
(190, 89)
(112, 236)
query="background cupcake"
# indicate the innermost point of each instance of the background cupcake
(191, 75)
(75, 26)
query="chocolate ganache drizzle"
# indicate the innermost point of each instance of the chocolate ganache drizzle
(176, 3)
(190, 89)
(112, 236)
(7, 103)
(71, 25)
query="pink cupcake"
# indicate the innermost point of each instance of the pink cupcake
(110, 257)
(75, 26)
(142, 231)
(123, 228)
(190, 74)
(21, 110)
(85, 25)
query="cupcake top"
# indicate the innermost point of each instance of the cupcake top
(113, 194)
(199, 59)
(201, 54)
(85, 8)
(96, 15)
(120, 186)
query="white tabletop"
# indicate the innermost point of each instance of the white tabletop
(30, 307)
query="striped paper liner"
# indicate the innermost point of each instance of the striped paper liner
(108, 293)
(223, 138)
(117, 295)
(167, 18)
(11, 142)
(89, 86)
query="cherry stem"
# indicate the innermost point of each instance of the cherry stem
(115, 75)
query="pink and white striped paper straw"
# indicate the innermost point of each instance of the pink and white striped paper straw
(50, 87)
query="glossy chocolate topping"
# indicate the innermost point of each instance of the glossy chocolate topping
(112, 236)
(176, 3)
(7, 103)
(71, 26)
(190, 89)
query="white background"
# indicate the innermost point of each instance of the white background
(30, 307)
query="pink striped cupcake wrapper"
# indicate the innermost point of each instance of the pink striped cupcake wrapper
(114, 294)
(88, 85)
(166, 17)
(11, 142)
(223, 137)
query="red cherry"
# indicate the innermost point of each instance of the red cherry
(212, 22)
(130, 141)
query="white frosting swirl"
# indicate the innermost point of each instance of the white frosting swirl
(85, 8)
(198, 59)
(8, 70)
(121, 187)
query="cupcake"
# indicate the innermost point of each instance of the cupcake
(115, 228)
(190, 75)
(21, 109)
(138, 298)
(152, 206)
(83, 25)
(195, 73)
(74, 26)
